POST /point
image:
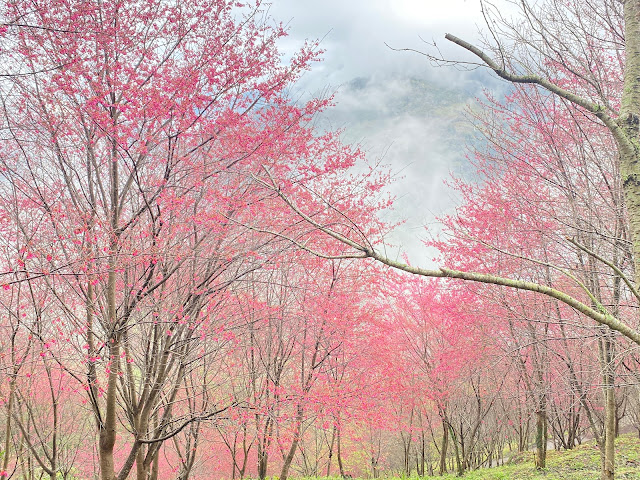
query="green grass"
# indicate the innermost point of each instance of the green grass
(581, 463)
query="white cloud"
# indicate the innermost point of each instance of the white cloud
(435, 12)
(383, 113)
(355, 33)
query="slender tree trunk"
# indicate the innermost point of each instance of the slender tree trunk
(263, 459)
(423, 454)
(443, 448)
(456, 450)
(155, 468)
(7, 427)
(141, 471)
(108, 429)
(339, 453)
(263, 448)
(541, 435)
(406, 454)
(25, 465)
(245, 451)
(109, 425)
(608, 463)
(330, 455)
(284, 472)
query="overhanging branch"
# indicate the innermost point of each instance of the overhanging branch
(601, 316)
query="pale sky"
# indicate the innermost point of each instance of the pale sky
(354, 32)
(417, 144)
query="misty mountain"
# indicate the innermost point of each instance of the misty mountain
(421, 130)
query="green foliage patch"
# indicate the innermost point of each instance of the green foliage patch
(581, 463)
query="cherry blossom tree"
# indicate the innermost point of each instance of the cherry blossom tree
(577, 62)
(127, 158)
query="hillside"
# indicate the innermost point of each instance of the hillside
(581, 463)
(420, 130)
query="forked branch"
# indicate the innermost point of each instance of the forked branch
(597, 110)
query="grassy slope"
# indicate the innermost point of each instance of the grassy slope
(581, 463)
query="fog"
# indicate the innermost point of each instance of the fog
(395, 104)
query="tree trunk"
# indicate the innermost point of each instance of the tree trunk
(628, 145)
(264, 444)
(608, 461)
(108, 429)
(339, 453)
(330, 455)
(406, 454)
(7, 431)
(443, 448)
(141, 468)
(541, 436)
(263, 458)
(284, 472)
(155, 468)
(454, 441)
(245, 451)
(107, 437)
(608, 464)
(423, 455)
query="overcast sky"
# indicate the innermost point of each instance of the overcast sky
(354, 32)
(416, 143)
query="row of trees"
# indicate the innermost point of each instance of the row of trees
(181, 289)
(555, 207)
(299, 375)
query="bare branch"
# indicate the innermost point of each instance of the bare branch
(610, 264)
(600, 315)
(198, 418)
